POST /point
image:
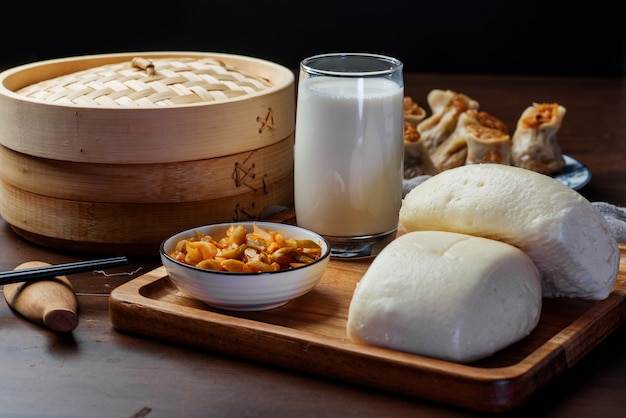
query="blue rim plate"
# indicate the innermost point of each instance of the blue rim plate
(574, 175)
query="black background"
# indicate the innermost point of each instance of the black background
(575, 38)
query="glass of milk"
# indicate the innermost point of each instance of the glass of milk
(349, 147)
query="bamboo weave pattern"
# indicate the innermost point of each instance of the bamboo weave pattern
(176, 81)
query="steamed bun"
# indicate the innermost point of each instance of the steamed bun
(446, 295)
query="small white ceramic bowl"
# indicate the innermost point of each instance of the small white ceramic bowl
(245, 291)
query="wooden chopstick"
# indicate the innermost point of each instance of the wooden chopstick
(39, 273)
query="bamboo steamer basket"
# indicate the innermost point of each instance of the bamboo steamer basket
(101, 109)
(144, 183)
(113, 153)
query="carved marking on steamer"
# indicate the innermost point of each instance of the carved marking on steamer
(268, 122)
(266, 186)
(244, 174)
(244, 213)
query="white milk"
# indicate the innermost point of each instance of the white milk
(349, 155)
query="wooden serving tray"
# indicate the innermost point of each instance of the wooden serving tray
(308, 335)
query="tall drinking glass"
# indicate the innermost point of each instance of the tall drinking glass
(349, 150)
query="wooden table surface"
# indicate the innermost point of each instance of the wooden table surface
(97, 371)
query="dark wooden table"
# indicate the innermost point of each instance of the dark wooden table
(97, 371)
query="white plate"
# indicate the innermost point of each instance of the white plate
(574, 175)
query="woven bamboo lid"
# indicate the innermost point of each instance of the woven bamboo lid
(150, 107)
(146, 82)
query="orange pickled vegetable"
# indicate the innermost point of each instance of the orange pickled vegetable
(260, 250)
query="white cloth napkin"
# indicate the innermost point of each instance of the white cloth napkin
(614, 215)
